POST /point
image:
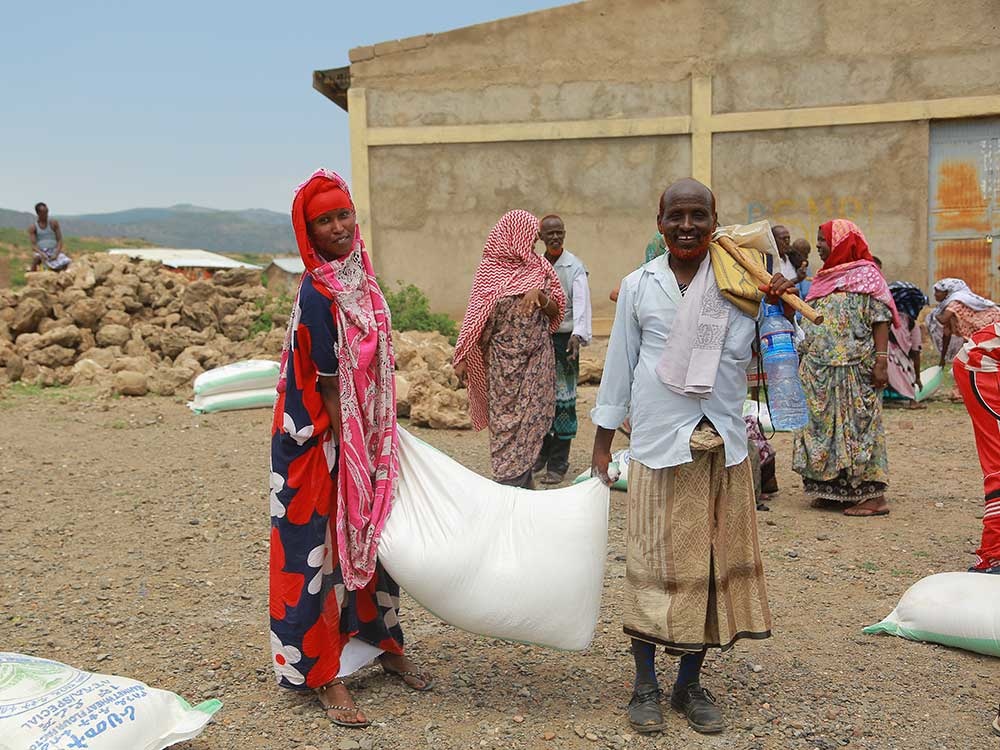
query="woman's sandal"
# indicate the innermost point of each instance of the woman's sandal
(328, 707)
(409, 678)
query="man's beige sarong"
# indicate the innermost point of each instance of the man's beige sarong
(694, 577)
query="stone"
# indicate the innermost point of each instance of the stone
(113, 335)
(129, 383)
(104, 357)
(236, 327)
(173, 341)
(135, 364)
(237, 277)
(198, 315)
(88, 372)
(65, 335)
(26, 343)
(28, 314)
(253, 293)
(49, 323)
(206, 356)
(440, 408)
(136, 347)
(402, 396)
(15, 367)
(197, 291)
(87, 313)
(83, 277)
(165, 381)
(590, 371)
(224, 306)
(102, 269)
(50, 282)
(116, 317)
(53, 356)
(71, 296)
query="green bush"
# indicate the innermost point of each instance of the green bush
(411, 311)
(271, 313)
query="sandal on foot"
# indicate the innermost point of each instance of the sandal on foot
(328, 707)
(410, 677)
(644, 713)
(865, 512)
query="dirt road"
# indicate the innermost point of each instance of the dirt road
(134, 541)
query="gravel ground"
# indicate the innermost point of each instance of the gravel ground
(134, 541)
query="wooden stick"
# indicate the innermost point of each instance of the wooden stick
(760, 274)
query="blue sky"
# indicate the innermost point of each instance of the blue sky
(113, 105)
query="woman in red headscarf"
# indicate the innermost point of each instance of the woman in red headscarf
(504, 348)
(334, 463)
(841, 454)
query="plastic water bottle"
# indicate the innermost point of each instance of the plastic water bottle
(784, 390)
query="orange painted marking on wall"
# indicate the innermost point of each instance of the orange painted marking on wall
(969, 260)
(960, 200)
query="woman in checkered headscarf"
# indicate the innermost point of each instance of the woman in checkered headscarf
(504, 349)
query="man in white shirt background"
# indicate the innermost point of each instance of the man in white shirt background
(574, 332)
(676, 365)
(783, 238)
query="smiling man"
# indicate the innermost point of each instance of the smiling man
(676, 364)
(573, 333)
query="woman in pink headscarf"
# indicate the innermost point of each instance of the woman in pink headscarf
(334, 462)
(841, 454)
(504, 349)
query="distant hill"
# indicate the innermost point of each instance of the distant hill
(254, 230)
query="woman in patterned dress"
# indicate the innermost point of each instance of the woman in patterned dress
(504, 349)
(959, 314)
(334, 463)
(841, 454)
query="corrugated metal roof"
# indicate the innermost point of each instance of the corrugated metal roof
(291, 264)
(181, 258)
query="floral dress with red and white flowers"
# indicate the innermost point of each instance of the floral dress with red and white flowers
(313, 615)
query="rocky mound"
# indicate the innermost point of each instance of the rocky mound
(428, 391)
(133, 327)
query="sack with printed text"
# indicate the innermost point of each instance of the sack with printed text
(46, 705)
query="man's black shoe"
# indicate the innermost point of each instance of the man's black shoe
(699, 706)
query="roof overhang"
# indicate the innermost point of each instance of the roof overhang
(333, 84)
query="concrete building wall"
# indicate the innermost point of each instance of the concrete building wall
(875, 175)
(434, 205)
(605, 60)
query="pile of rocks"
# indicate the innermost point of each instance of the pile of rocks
(429, 392)
(427, 389)
(133, 327)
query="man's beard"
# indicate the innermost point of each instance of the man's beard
(681, 254)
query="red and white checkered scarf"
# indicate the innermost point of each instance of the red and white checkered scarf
(509, 268)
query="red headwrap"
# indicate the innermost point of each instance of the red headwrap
(329, 197)
(846, 243)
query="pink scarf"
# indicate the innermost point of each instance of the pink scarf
(368, 461)
(510, 267)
